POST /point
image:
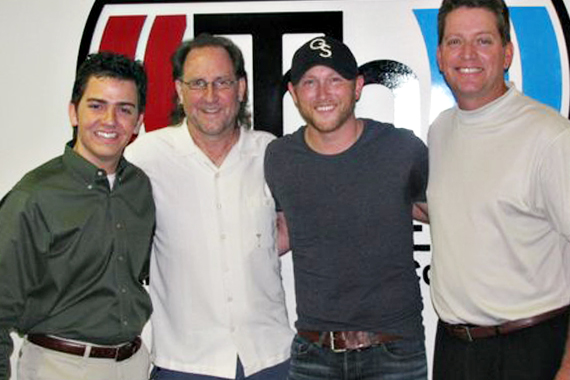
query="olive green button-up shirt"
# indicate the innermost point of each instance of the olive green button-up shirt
(74, 254)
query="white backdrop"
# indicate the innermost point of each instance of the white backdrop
(39, 42)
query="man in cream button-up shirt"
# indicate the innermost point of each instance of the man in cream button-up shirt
(219, 304)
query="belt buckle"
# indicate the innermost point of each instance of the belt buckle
(467, 333)
(333, 348)
(124, 350)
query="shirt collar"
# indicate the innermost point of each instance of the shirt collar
(245, 145)
(85, 169)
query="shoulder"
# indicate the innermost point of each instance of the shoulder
(441, 122)
(152, 144)
(34, 183)
(40, 177)
(135, 173)
(549, 120)
(387, 133)
(159, 136)
(257, 140)
(287, 142)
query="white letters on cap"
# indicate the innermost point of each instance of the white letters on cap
(320, 44)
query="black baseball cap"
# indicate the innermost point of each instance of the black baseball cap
(325, 51)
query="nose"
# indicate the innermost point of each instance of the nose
(322, 89)
(210, 92)
(109, 118)
(467, 50)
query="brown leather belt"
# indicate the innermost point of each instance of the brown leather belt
(341, 341)
(119, 353)
(469, 333)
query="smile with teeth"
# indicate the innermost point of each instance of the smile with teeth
(107, 135)
(325, 108)
(470, 70)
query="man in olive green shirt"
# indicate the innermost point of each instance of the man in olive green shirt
(75, 238)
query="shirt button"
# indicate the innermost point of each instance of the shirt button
(100, 173)
(121, 258)
(123, 290)
(125, 323)
(119, 226)
(90, 187)
(223, 236)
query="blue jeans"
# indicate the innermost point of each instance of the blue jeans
(399, 360)
(277, 372)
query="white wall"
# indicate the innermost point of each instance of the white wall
(39, 42)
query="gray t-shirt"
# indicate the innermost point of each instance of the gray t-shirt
(350, 226)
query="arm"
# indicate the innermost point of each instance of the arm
(564, 371)
(420, 212)
(282, 234)
(552, 196)
(10, 299)
(419, 182)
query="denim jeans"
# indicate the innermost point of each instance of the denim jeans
(277, 372)
(398, 360)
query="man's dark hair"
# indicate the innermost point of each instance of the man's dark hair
(497, 7)
(236, 56)
(110, 65)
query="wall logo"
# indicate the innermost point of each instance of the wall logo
(394, 42)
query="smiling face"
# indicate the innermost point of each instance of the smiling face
(325, 99)
(210, 112)
(106, 118)
(473, 58)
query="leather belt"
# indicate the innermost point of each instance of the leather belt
(119, 353)
(341, 341)
(469, 333)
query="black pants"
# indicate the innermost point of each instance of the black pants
(533, 353)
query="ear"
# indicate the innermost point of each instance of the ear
(509, 53)
(179, 89)
(72, 111)
(358, 86)
(242, 89)
(139, 123)
(438, 57)
(291, 89)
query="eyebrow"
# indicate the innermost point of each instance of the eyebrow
(126, 103)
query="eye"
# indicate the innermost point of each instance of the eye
(94, 106)
(485, 41)
(453, 42)
(308, 82)
(127, 110)
(336, 80)
(223, 83)
(198, 84)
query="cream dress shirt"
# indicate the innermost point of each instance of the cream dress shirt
(215, 279)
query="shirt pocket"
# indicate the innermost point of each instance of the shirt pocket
(259, 228)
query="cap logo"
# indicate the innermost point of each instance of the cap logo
(321, 44)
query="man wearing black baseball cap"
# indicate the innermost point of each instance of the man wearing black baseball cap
(348, 188)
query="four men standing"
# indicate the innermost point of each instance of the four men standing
(75, 233)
